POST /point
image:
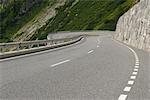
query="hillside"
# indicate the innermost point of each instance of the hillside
(16, 13)
(32, 19)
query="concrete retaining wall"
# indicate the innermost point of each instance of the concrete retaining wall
(133, 27)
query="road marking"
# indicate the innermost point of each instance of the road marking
(136, 69)
(136, 66)
(130, 82)
(122, 97)
(133, 77)
(127, 89)
(82, 39)
(60, 63)
(90, 51)
(97, 46)
(98, 41)
(134, 73)
(137, 63)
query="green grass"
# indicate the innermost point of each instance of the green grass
(11, 20)
(86, 15)
(82, 15)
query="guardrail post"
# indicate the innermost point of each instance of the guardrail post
(52, 42)
(29, 46)
(1, 49)
(38, 45)
(45, 44)
(18, 47)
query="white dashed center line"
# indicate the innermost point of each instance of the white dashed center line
(98, 41)
(90, 51)
(60, 63)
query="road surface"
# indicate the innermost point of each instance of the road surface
(96, 68)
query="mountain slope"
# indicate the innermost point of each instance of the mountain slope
(16, 13)
(86, 15)
(72, 16)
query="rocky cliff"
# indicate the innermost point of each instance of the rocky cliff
(23, 20)
(133, 27)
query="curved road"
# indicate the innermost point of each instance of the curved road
(96, 68)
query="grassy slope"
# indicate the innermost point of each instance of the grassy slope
(86, 15)
(13, 18)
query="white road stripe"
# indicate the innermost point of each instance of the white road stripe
(122, 97)
(136, 66)
(127, 89)
(90, 51)
(60, 63)
(97, 46)
(133, 77)
(136, 69)
(130, 82)
(136, 57)
(134, 73)
(98, 41)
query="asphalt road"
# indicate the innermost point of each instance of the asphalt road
(96, 68)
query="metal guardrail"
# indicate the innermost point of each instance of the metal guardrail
(16, 46)
(21, 48)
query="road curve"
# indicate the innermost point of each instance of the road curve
(96, 68)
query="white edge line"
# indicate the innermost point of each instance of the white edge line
(127, 89)
(60, 63)
(136, 69)
(134, 73)
(131, 82)
(132, 77)
(136, 66)
(122, 97)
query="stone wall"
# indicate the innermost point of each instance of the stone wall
(133, 27)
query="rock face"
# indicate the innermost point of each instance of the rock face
(133, 27)
(31, 27)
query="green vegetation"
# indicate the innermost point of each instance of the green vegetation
(17, 13)
(73, 16)
(86, 15)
